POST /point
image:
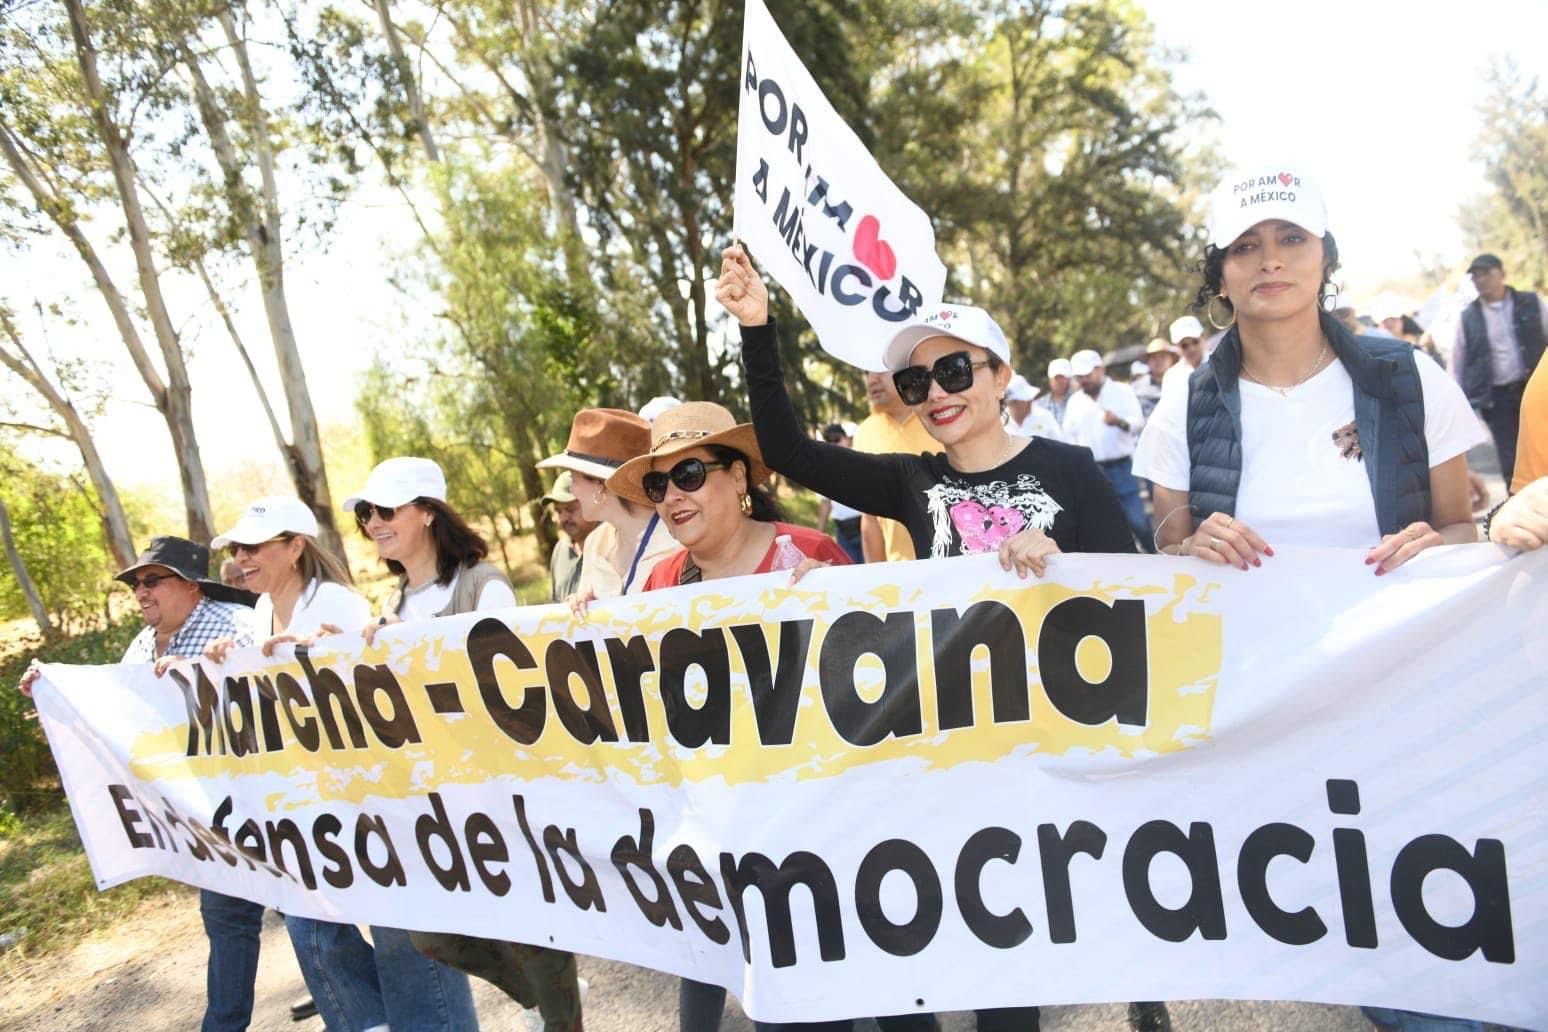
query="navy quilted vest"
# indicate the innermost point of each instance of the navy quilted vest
(1389, 414)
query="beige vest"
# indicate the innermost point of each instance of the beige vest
(470, 584)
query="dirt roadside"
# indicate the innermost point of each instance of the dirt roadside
(148, 973)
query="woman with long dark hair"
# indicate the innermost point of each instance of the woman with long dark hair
(442, 570)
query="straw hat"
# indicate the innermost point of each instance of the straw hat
(601, 440)
(693, 424)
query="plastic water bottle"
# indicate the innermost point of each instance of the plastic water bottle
(787, 556)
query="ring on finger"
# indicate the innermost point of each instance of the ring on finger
(1230, 522)
(1214, 543)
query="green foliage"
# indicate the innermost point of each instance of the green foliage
(26, 776)
(1047, 144)
(1512, 220)
(46, 886)
(59, 534)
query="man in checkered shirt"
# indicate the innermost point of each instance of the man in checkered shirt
(183, 612)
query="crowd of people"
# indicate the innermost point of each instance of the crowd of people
(1285, 427)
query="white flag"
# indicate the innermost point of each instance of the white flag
(818, 213)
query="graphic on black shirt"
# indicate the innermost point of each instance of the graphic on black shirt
(986, 514)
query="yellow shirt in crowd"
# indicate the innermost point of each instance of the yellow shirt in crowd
(1532, 444)
(878, 435)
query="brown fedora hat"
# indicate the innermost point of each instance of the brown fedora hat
(601, 440)
(693, 424)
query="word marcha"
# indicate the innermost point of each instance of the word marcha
(689, 887)
(848, 283)
(263, 713)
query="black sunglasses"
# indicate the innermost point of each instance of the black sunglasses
(363, 512)
(150, 580)
(954, 372)
(688, 475)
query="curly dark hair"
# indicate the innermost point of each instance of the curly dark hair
(764, 508)
(1214, 263)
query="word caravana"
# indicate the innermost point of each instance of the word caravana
(259, 713)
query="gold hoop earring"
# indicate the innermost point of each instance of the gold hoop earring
(746, 503)
(1209, 311)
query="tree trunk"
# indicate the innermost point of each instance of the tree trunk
(23, 578)
(178, 394)
(114, 524)
(410, 85)
(262, 229)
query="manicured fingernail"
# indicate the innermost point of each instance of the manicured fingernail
(1380, 571)
(1267, 550)
(1369, 560)
(1257, 562)
(1244, 567)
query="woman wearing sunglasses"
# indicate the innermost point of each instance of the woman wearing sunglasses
(303, 588)
(989, 491)
(704, 475)
(630, 539)
(304, 594)
(442, 571)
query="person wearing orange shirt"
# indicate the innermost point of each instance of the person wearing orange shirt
(891, 427)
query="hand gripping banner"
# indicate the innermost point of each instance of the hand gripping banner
(812, 205)
(916, 786)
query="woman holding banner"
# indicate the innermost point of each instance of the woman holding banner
(1296, 431)
(704, 476)
(441, 568)
(305, 593)
(989, 491)
(1024, 498)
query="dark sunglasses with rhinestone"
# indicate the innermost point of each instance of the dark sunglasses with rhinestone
(954, 372)
(688, 475)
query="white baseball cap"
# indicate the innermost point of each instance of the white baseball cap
(399, 481)
(1019, 389)
(1252, 194)
(1082, 362)
(1059, 367)
(657, 405)
(268, 518)
(964, 322)
(1187, 326)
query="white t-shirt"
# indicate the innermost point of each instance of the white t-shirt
(1298, 487)
(424, 603)
(321, 602)
(1039, 423)
(1085, 421)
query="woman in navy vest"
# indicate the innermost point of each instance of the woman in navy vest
(1295, 431)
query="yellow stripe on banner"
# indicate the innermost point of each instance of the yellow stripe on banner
(719, 691)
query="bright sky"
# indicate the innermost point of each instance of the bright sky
(1377, 98)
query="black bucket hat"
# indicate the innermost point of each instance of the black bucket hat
(190, 561)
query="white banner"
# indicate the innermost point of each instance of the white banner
(814, 208)
(918, 786)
